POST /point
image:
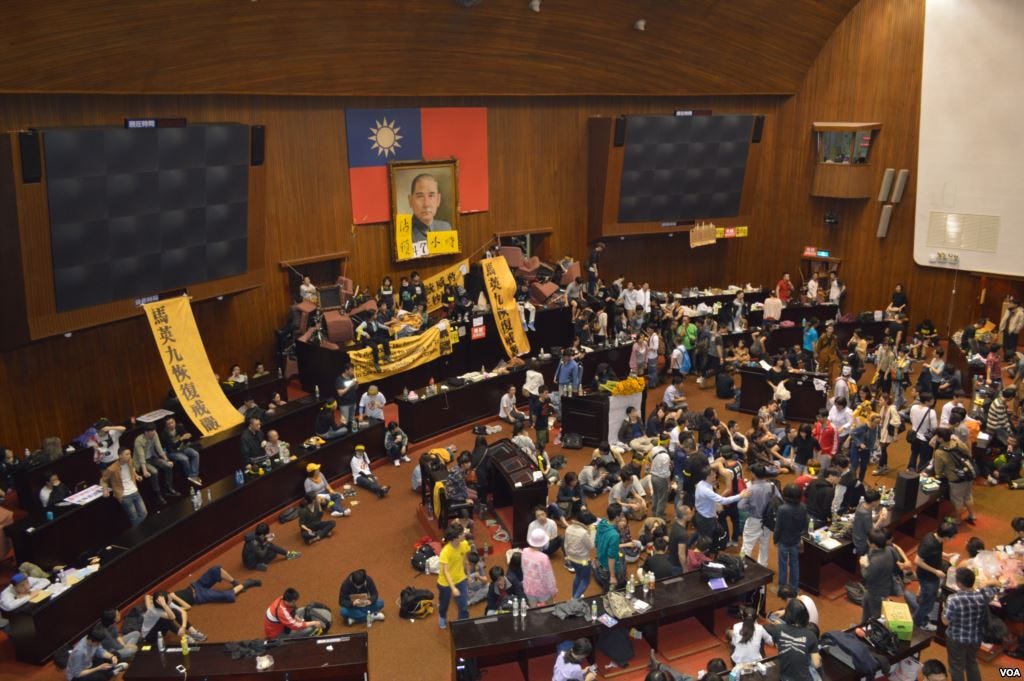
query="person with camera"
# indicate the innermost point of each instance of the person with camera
(570, 663)
(359, 599)
(259, 549)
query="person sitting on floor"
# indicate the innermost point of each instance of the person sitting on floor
(124, 645)
(396, 444)
(202, 590)
(312, 525)
(363, 475)
(280, 621)
(167, 614)
(317, 483)
(359, 599)
(569, 664)
(89, 661)
(259, 549)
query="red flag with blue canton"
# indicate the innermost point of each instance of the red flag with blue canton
(378, 136)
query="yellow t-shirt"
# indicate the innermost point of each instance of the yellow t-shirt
(453, 557)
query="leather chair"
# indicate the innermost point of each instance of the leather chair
(540, 292)
(339, 327)
(450, 510)
(365, 308)
(347, 289)
(570, 274)
(513, 255)
(300, 314)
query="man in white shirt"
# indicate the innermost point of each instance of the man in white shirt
(20, 590)
(674, 398)
(653, 346)
(812, 290)
(947, 408)
(371, 404)
(661, 480)
(629, 299)
(675, 362)
(541, 521)
(772, 307)
(841, 417)
(363, 474)
(643, 298)
(924, 422)
(507, 410)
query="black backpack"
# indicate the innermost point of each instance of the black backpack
(415, 603)
(850, 649)
(320, 612)
(422, 555)
(771, 513)
(732, 568)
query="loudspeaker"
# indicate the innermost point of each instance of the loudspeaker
(905, 492)
(31, 163)
(755, 138)
(883, 221)
(620, 131)
(883, 192)
(256, 133)
(901, 184)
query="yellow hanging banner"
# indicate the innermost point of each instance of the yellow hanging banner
(434, 286)
(188, 368)
(501, 291)
(406, 353)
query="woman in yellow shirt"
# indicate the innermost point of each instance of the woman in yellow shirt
(452, 577)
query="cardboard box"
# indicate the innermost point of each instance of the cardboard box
(898, 619)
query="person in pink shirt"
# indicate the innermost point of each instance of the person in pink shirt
(538, 577)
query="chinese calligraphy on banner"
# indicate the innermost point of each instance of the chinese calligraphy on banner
(188, 368)
(406, 353)
(501, 290)
(434, 286)
(437, 243)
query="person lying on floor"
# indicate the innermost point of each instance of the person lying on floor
(202, 590)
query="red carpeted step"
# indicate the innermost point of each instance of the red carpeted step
(506, 672)
(693, 662)
(833, 581)
(684, 638)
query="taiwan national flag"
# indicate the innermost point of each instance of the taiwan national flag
(377, 136)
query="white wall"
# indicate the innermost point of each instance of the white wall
(971, 156)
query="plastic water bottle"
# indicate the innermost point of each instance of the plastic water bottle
(515, 607)
(523, 607)
(280, 372)
(239, 477)
(160, 645)
(184, 645)
(316, 391)
(593, 610)
(369, 620)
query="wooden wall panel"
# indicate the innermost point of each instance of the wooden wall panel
(334, 47)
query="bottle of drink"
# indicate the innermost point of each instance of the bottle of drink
(810, 525)
(184, 645)
(593, 610)
(160, 645)
(523, 607)
(515, 607)
(239, 477)
(316, 391)
(280, 372)
(369, 620)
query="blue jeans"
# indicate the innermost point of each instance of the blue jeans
(135, 507)
(204, 591)
(444, 597)
(359, 614)
(789, 565)
(580, 580)
(188, 459)
(925, 601)
(652, 371)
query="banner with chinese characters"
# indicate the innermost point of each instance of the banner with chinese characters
(436, 243)
(501, 291)
(434, 286)
(188, 368)
(406, 353)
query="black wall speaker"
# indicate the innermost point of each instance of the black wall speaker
(31, 163)
(620, 131)
(256, 137)
(755, 137)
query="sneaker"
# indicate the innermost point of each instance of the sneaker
(442, 623)
(261, 567)
(338, 513)
(406, 459)
(349, 621)
(732, 543)
(197, 635)
(292, 555)
(928, 627)
(384, 491)
(568, 566)
(398, 462)
(881, 470)
(992, 482)
(251, 584)
(700, 380)
(378, 617)
(196, 480)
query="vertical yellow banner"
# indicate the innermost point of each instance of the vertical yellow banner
(501, 290)
(434, 286)
(188, 368)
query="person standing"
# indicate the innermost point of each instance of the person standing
(923, 421)
(122, 480)
(661, 479)
(784, 289)
(609, 563)
(1010, 325)
(877, 568)
(347, 388)
(451, 580)
(592, 267)
(578, 545)
(953, 463)
(930, 574)
(755, 534)
(538, 576)
(965, 617)
(790, 525)
(568, 374)
(653, 349)
(862, 443)
(705, 499)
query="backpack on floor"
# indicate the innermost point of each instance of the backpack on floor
(421, 556)
(855, 592)
(318, 612)
(572, 441)
(415, 603)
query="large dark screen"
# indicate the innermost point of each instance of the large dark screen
(683, 167)
(134, 212)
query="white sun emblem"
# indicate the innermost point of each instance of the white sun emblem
(385, 138)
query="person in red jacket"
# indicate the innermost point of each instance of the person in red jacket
(280, 620)
(825, 433)
(784, 288)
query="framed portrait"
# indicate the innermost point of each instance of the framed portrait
(424, 209)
